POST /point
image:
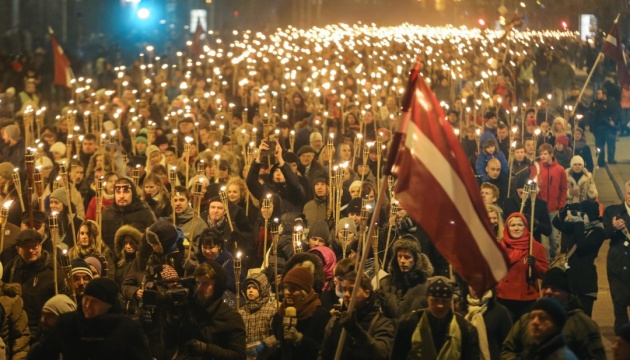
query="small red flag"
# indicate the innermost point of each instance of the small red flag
(437, 187)
(63, 71)
(196, 47)
(613, 48)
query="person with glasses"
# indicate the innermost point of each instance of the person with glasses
(127, 209)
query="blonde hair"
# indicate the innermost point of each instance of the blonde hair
(495, 209)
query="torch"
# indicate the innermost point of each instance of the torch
(226, 205)
(133, 141)
(197, 194)
(99, 200)
(66, 182)
(216, 161)
(266, 213)
(135, 174)
(330, 147)
(4, 215)
(39, 187)
(67, 272)
(274, 235)
(237, 275)
(18, 186)
(54, 233)
(292, 140)
(187, 151)
(379, 153)
(297, 239)
(345, 237)
(172, 179)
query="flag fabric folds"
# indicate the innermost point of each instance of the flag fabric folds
(613, 48)
(196, 47)
(63, 71)
(437, 188)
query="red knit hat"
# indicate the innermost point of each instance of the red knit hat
(301, 277)
(563, 140)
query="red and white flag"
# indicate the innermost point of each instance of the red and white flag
(196, 46)
(613, 48)
(63, 71)
(437, 187)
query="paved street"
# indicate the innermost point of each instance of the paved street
(610, 182)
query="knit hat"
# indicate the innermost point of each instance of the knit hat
(351, 225)
(103, 289)
(96, 263)
(44, 162)
(556, 278)
(624, 332)
(12, 131)
(305, 149)
(562, 140)
(109, 126)
(58, 147)
(28, 236)
(162, 232)
(60, 194)
(301, 277)
(439, 286)
(553, 308)
(11, 91)
(320, 229)
(151, 149)
(356, 183)
(161, 139)
(59, 304)
(6, 170)
(579, 129)
(577, 159)
(79, 266)
(322, 179)
(142, 139)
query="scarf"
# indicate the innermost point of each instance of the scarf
(476, 309)
(580, 144)
(305, 308)
(422, 341)
(517, 248)
(216, 225)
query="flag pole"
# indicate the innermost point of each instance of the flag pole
(361, 266)
(600, 57)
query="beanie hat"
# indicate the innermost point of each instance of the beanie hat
(60, 194)
(11, 91)
(44, 162)
(301, 277)
(624, 332)
(6, 170)
(79, 266)
(352, 227)
(109, 126)
(354, 206)
(151, 149)
(142, 139)
(161, 139)
(58, 147)
(562, 140)
(305, 149)
(28, 236)
(579, 129)
(13, 131)
(103, 289)
(290, 157)
(164, 233)
(59, 304)
(577, 159)
(322, 179)
(553, 308)
(556, 278)
(356, 183)
(439, 286)
(319, 229)
(96, 263)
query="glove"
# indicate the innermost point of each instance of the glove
(293, 336)
(349, 322)
(195, 347)
(254, 349)
(531, 260)
(190, 265)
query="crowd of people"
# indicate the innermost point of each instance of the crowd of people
(217, 207)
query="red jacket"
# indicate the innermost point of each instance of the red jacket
(514, 285)
(90, 213)
(552, 184)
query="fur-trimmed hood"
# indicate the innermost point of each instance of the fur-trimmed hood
(124, 232)
(422, 263)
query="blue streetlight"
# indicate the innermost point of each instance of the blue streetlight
(143, 13)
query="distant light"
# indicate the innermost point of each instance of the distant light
(143, 13)
(564, 24)
(482, 22)
(522, 4)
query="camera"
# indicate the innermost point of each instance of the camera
(159, 292)
(272, 148)
(574, 209)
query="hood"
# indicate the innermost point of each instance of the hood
(287, 220)
(261, 281)
(123, 232)
(422, 263)
(134, 193)
(329, 259)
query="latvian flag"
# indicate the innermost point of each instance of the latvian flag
(437, 187)
(63, 71)
(613, 48)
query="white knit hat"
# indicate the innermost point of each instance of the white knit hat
(58, 147)
(44, 162)
(577, 159)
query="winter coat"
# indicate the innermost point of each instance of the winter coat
(106, 337)
(14, 330)
(408, 324)
(618, 254)
(124, 260)
(257, 314)
(519, 170)
(498, 321)
(137, 214)
(563, 157)
(38, 284)
(552, 184)
(184, 221)
(542, 223)
(315, 210)
(312, 329)
(580, 332)
(404, 292)
(583, 150)
(514, 285)
(586, 185)
(551, 349)
(215, 324)
(372, 339)
(482, 161)
(243, 234)
(581, 268)
(291, 192)
(601, 113)
(90, 213)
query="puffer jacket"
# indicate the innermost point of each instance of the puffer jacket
(581, 333)
(405, 292)
(14, 330)
(552, 184)
(586, 185)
